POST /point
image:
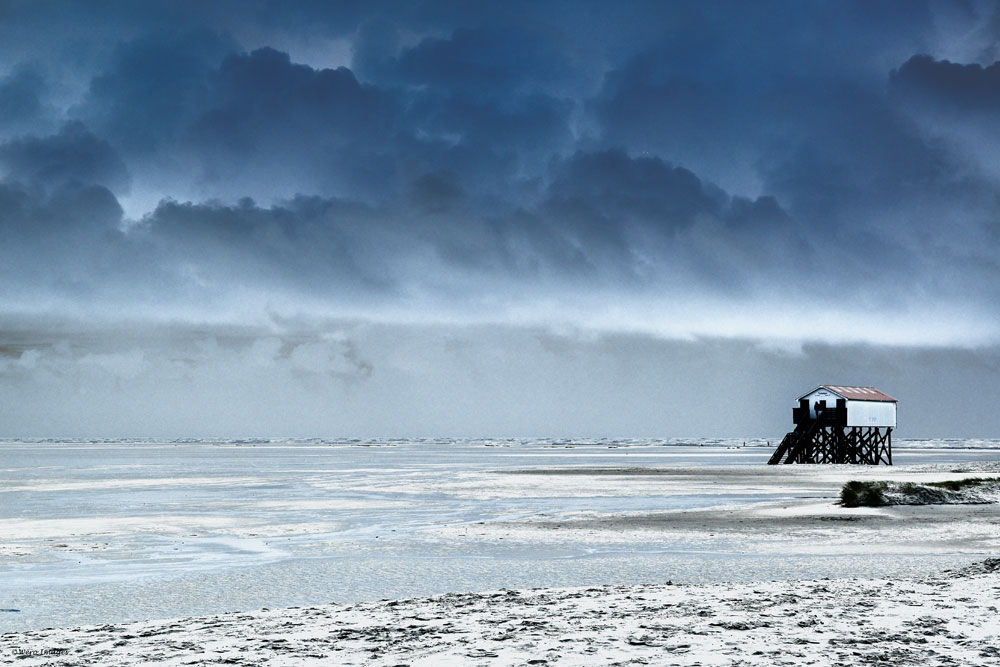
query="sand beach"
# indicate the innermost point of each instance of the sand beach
(773, 571)
(949, 619)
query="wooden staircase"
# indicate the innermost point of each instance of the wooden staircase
(794, 443)
(782, 449)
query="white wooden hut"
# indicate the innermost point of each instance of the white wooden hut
(866, 406)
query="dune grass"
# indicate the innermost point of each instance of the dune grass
(959, 484)
(863, 494)
(872, 494)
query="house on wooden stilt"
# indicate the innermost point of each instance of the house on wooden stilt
(840, 424)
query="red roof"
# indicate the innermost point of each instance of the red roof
(857, 393)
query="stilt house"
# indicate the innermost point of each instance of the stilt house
(840, 424)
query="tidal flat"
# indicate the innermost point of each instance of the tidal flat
(100, 532)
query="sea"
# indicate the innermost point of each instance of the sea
(113, 530)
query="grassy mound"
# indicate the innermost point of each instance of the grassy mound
(863, 494)
(959, 484)
(973, 490)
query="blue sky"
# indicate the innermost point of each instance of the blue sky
(439, 218)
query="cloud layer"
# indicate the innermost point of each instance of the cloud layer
(816, 174)
(481, 166)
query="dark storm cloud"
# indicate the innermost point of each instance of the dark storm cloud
(961, 88)
(490, 101)
(655, 220)
(955, 105)
(605, 220)
(623, 190)
(725, 89)
(616, 187)
(294, 120)
(257, 121)
(152, 88)
(58, 185)
(73, 155)
(488, 63)
(242, 121)
(436, 191)
(308, 245)
(330, 247)
(60, 224)
(62, 244)
(30, 212)
(21, 100)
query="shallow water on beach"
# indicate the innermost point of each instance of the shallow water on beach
(106, 531)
